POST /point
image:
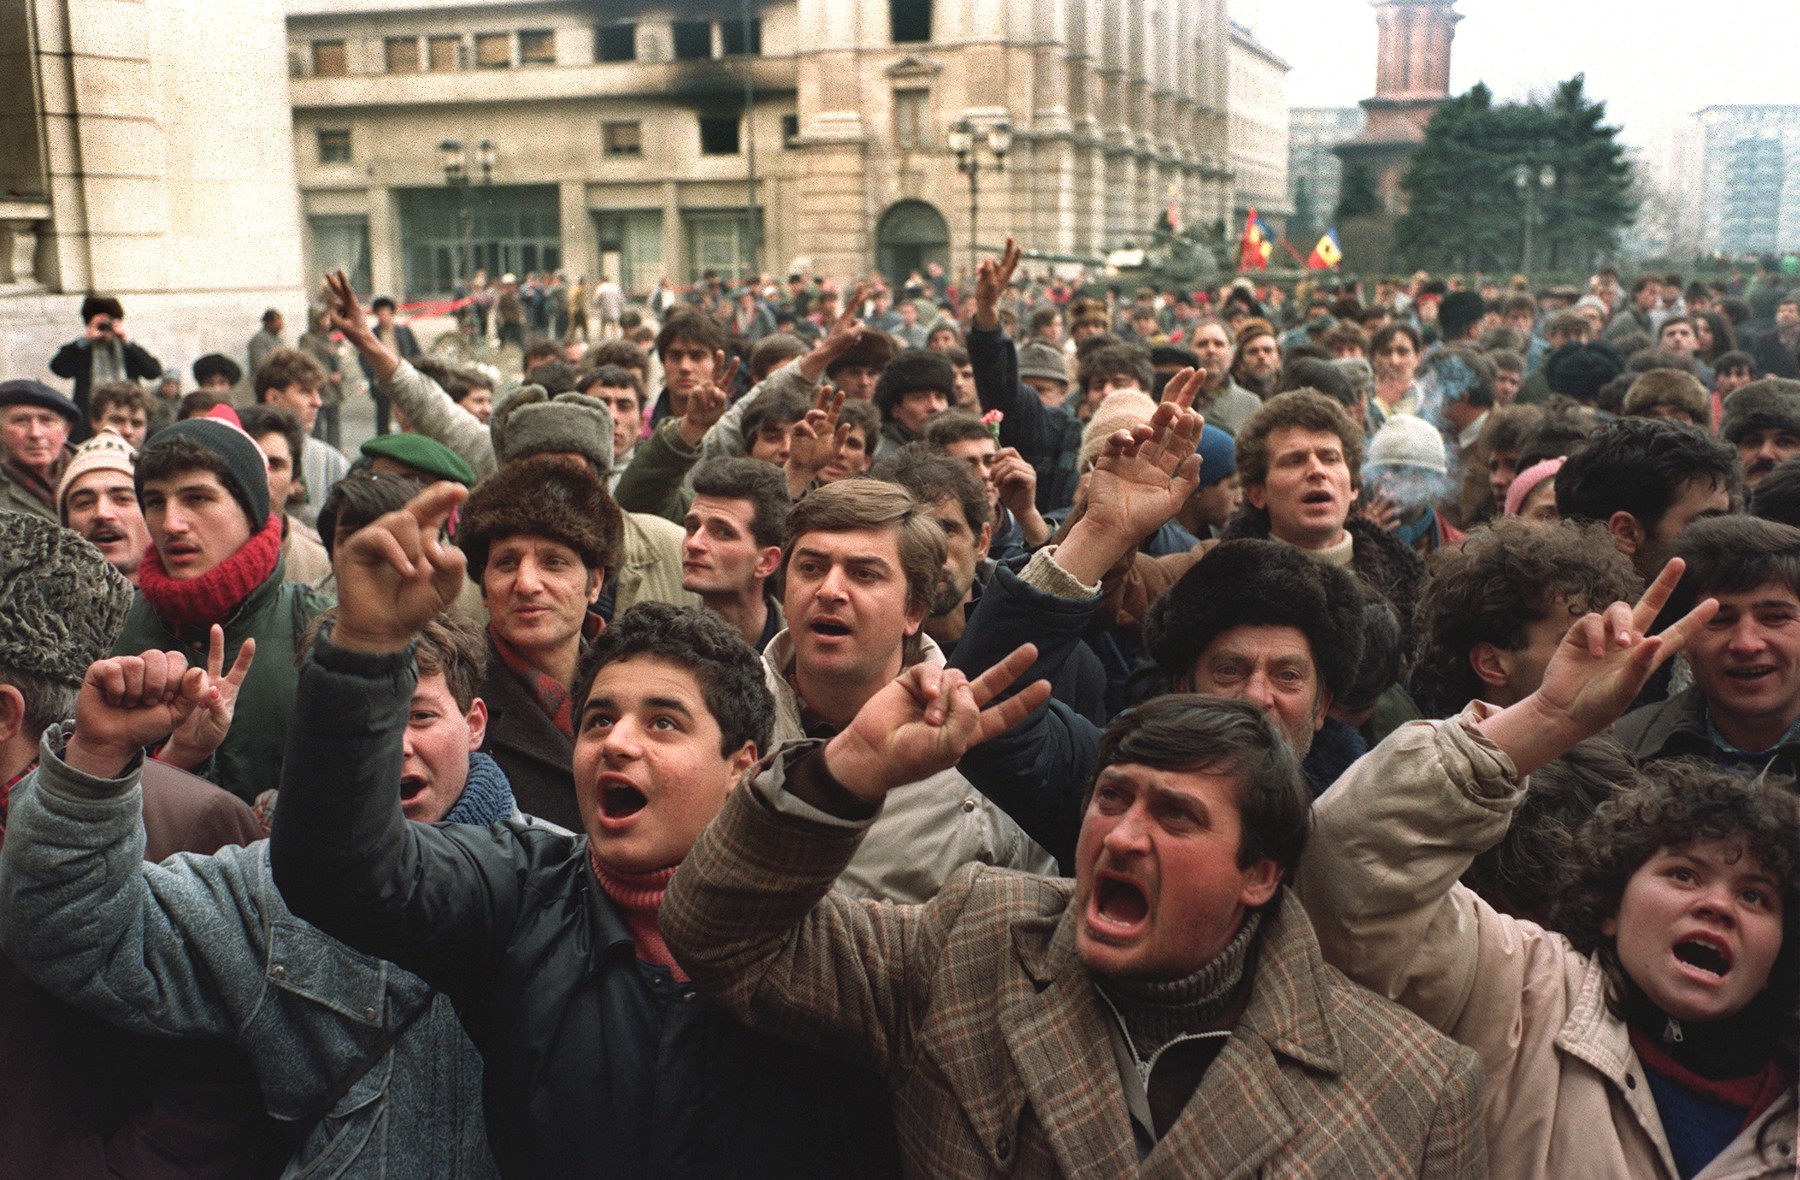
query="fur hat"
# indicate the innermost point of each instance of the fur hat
(1771, 403)
(528, 421)
(95, 305)
(914, 369)
(1266, 584)
(1037, 359)
(1670, 387)
(61, 604)
(873, 348)
(217, 364)
(106, 451)
(1122, 409)
(1581, 370)
(547, 497)
(1459, 312)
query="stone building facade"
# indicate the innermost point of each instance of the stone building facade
(1257, 131)
(145, 152)
(1749, 174)
(621, 140)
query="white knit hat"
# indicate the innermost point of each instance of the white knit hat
(1408, 441)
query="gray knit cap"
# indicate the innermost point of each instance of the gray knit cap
(528, 421)
(61, 604)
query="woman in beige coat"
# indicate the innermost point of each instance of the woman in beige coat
(1655, 1037)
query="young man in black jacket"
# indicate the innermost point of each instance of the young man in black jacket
(601, 1058)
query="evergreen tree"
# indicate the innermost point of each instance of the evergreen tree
(1303, 226)
(1356, 194)
(1478, 176)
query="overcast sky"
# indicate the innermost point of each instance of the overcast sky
(1652, 61)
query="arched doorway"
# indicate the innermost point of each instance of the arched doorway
(909, 235)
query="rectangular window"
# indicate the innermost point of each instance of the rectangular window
(693, 40)
(732, 33)
(537, 47)
(615, 42)
(329, 59)
(912, 119)
(718, 135)
(790, 130)
(718, 242)
(493, 51)
(401, 54)
(909, 20)
(622, 139)
(446, 53)
(334, 146)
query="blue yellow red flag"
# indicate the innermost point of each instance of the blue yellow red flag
(1257, 245)
(1327, 254)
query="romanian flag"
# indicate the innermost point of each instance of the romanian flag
(1327, 254)
(1257, 246)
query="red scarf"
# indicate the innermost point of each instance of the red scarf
(551, 695)
(638, 895)
(1752, 1094)
(211, 597)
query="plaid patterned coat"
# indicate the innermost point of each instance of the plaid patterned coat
(994, 1043)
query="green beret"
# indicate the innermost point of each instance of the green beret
(427, 454)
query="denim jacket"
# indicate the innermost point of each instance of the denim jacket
(203, 946)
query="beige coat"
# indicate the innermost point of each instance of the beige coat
(1566, 1096)
(927, 830)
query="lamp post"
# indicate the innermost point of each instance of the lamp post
(965, 141)
(1530, 184)
(460, 163)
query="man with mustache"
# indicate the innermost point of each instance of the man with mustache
(98, 500)
(1762, 420)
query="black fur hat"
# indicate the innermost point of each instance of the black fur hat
(914, 369)
(1259, 584)
(542, 496)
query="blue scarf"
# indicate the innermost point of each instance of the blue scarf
(488, 797)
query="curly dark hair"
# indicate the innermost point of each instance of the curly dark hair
(1503, 578)
(728, 670)
(1518, 876)
(1678, 803)
(1302, 409)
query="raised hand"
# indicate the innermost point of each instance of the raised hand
(706, 403)
(992, 277)
(129, 702)
(396, 574)
(815, 440)
(925, 720)
(1015, 480)
(843, 335)
(195, 739)
(1596, 672)
(344, 309)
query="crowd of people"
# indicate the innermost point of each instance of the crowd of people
(940, 730)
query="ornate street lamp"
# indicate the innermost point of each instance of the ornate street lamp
(1530, 184)
(964, 140)
(460, 163)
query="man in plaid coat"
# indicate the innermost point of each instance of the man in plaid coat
(1167, 1013)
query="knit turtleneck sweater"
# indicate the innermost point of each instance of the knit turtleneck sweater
(1155, 1013)
(638, 896)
